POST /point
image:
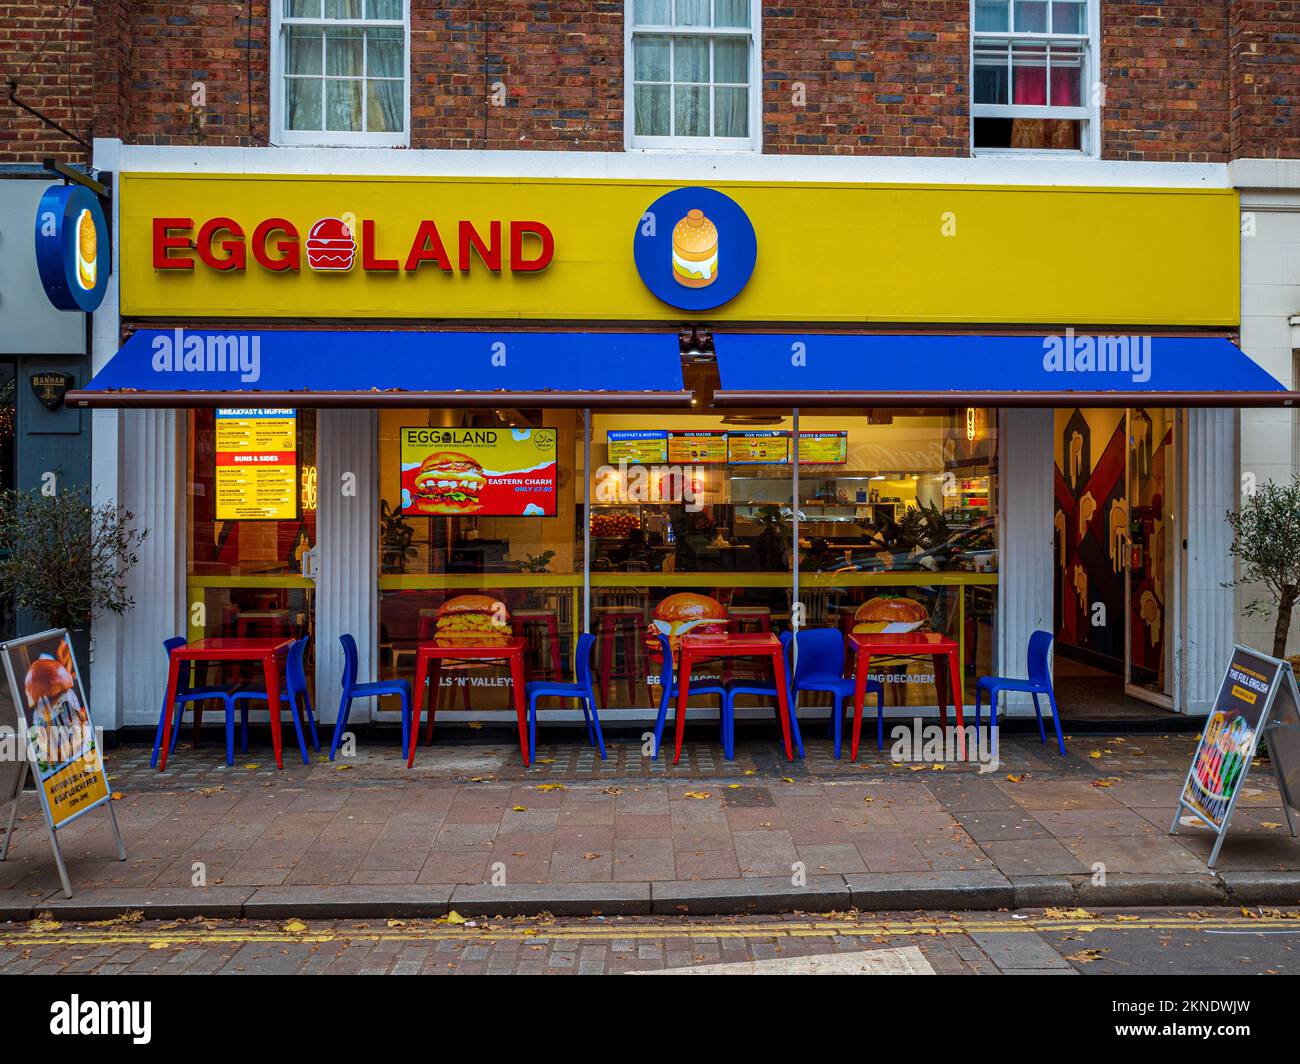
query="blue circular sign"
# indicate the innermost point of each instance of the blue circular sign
(72, 247)
(695, 248)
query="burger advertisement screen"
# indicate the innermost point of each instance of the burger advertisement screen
(637, 446)
(758, 448)
(46, 685)
(823, 448)
(478, 472)
(257, 465)
(705, 447)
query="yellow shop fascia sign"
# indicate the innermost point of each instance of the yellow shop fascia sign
(256, 246)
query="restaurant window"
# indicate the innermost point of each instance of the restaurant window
(1031, 81)
(693, 67)
(480, 534)
(8, 467)
(251, 498)
(340, 72)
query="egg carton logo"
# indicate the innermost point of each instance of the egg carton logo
(1098, 354)
(331, 247)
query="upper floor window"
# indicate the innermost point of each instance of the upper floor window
(1032, 75)
(339, 72)
(693, 74)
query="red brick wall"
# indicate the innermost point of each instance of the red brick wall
(1197, 80)
(1165, 72)
(879, 77)
(52, 59)
(1265, 98)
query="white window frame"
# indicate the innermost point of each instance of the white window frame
(1089, 113)
(753, 33)
(325, 137)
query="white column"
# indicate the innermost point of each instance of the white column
(347, 522)
(1208, 606)
(1025, 504)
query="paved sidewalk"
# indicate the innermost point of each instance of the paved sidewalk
(470, 829)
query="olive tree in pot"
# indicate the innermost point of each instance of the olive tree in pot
(1266, 541)
(64, 559)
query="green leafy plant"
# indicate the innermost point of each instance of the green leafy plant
(537, 563)
(922, 526)
(65, 558)
(395, 539)
(1266, 541)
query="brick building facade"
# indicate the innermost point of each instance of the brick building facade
(1200, 81)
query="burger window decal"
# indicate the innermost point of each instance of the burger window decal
(695, 248)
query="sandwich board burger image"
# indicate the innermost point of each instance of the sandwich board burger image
(478, 472)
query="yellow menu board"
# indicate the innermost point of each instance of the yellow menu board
(704, 447)
(637, 446)
(758, 448)
(823, 448)
(257, 464)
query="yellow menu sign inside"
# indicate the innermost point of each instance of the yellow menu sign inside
(257, 465)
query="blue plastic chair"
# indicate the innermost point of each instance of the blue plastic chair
(762, 689)
(192, 695)
(374, 689)
(295, 687)
(819, 666)
(580, 689)
(668, 694)
(1039, 683)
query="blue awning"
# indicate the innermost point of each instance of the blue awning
(1064, 369)
(359, 368)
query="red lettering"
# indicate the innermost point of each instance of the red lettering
(164, 243)
(290, 257)
(490, 255)
(235, 257)
(518, 263)
(368, 260)
(427, 247)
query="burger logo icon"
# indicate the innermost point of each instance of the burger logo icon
(87, 251)
(695, 250)
(330, 246)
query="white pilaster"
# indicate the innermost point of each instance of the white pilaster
(1208, 606)
(1025, 506)
(347, 521)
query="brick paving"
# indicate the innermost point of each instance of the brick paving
(471, 814)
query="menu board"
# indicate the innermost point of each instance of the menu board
(823, 448)
(758, 448)
(637, 446)
(478, 472)
(705, 447)
(257, 464)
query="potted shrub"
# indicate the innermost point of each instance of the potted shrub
(64, 559)
(1266, 541)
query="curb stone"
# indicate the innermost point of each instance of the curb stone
(157, 903)
(1262, 888)
(346, 901)
(1040, 892)
(558, 899)
(760, 894)
(1138, 890)
(885, 891)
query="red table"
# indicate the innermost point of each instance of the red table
(268, 650)
(731, 645)
(908, 644)
(429, 657)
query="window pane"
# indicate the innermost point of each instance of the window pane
(731, 12)
(1069, 18)
(390, 9)
(651, 107)
(384, 106)
(384, 53)
(692, 12)
(992, 16)
(731, 62)
(343, 51)
(302, 8)
(343, 106)
(1031, 16)
(1067, 77)
(653, 12)
(302, 103)
(731, 112)
(690, 59)
(691, 110)
(1029, 74)
(303, 54)
(991, 75)
(653, 59)
(343, 8)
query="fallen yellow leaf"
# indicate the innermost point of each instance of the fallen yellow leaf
(1015, 777)
(294, 927)
(454, 917)
(1068, 914)
(1269, 824)
(519, 808)
(550, 786)
(697, 795)
(1095, 754)
(475, 725)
